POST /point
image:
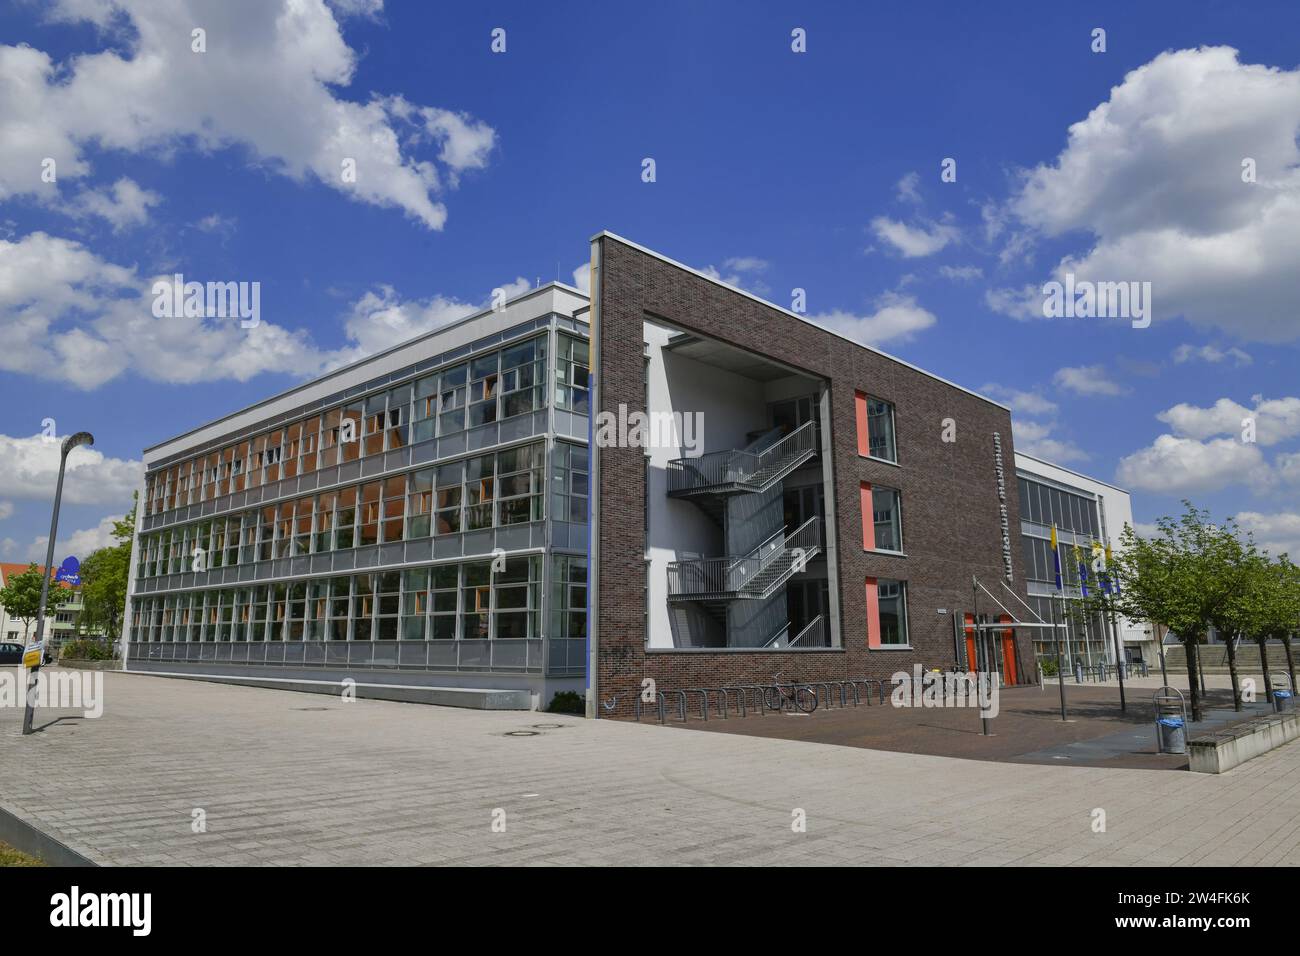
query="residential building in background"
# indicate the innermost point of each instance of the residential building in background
(1084, 511)
(61, 623)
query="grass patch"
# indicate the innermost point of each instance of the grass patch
(11, 857)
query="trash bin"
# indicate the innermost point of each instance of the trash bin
(1283, 701)
(1172, 735)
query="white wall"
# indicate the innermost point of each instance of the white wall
(731, 406)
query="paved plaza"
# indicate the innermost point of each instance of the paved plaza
(288, 778)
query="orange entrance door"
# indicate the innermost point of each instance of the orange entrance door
(1008, 650)
(972, 662)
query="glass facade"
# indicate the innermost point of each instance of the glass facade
(372, 507)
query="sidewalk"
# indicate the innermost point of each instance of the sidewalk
(286, 778)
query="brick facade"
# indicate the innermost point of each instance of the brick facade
(951, 518)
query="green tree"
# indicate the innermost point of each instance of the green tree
(21, 596)
(1268, 608)
(104, 576)
(1182, 577)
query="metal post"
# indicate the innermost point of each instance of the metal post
(1060, 669)
(69, 443)
(1109, 611)
(1160, 643)
(979, 648)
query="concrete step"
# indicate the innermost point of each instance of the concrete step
(1213, 658)
(370, 686)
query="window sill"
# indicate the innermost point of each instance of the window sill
(883, 461)
(892, 647)
(885, 551)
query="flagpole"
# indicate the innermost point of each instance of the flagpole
(1105, 589)
(1056, 631)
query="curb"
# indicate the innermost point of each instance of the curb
(21, 835)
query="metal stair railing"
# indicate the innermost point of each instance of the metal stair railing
(755, 575)
(741, 470)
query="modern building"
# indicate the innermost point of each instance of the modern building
(804, 505)
(414, 520)
(734, 493)
(61, 625)
(1085, 512)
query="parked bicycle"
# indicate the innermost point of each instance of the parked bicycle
(790, 696)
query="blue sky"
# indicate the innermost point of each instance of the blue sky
(818, 170)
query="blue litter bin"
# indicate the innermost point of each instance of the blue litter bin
(1283, 701)
(1172, 733)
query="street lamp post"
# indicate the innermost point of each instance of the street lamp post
(69, 443)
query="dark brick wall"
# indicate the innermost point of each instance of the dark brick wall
(951, 527)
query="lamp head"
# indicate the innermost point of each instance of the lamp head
(80, 438)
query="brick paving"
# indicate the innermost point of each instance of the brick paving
(1028, 726)
(375, 782)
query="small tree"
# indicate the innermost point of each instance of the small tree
(1278, 587)
(21, 596)
(104, 576)
(1179, 577)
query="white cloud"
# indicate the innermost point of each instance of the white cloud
(1035, 438)
(6, 509)
(897, 318)
(69, 316)
(1022, 402)
(1154, 174)
(906, 190)
(380, 319)
(1086, 380)
(961, 273)
(1275, 533)
(47, 284)
(1025, 302)
(358, 8)
(914, 241)
(1275, 420)
(1212, 354)
(150, 94)
(582, 278)
(125, 206)
(217, 224)
(79, 544)
(1172, 465)
(743, 272)
(31, 468)
(1287, 468)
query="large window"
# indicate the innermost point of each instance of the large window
(887, 519)
(571, 375)
(569, 483)
(1045, 505)
(880, 430)
(569, 597)
(891, 597)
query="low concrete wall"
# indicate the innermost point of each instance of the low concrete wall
(1217, 752)
(113, 665)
